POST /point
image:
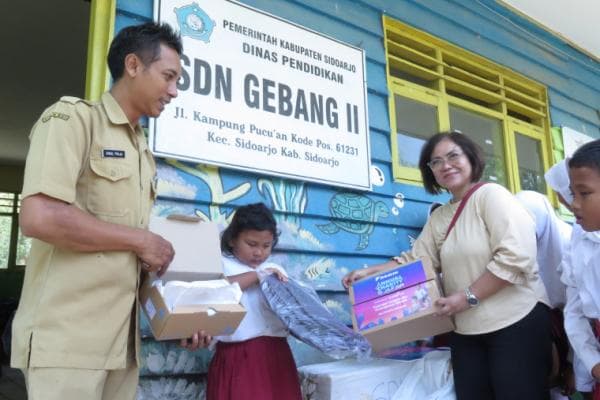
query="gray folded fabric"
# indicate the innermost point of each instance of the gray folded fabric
(307, 318)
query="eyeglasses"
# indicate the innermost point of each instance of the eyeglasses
(451, 158)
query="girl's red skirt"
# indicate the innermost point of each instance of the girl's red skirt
(257, 369)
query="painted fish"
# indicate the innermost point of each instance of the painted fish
(318, 269)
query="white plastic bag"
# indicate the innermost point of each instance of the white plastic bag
(430, 378)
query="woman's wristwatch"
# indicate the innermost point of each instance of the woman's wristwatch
(472, 300)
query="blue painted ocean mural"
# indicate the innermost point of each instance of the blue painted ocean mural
(310, 219)
(175, 184)
(287, 197)
(354, 213)
(172, 388)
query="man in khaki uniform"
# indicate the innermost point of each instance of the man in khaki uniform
(87, 193)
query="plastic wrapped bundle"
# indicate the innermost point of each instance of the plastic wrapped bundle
(301, 310)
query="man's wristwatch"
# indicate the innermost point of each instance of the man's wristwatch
(472, 300)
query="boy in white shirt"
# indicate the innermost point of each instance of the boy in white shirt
(581, 267)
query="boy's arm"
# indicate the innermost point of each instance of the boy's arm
(580, 333)
(577, 325)
(584, 382)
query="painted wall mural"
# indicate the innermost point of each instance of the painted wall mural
(354, 213)
(318, 269)
(169, 388)
(287, 197)
(311, 250)
(217, 195)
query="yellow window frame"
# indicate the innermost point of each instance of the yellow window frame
(102, 22)
(509, 155)
(444, 74)
(418, 94)
(514, 126)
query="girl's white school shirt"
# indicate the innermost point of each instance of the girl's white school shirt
(259, 320)
(581, 274)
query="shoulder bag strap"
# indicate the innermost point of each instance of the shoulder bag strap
(462, 204)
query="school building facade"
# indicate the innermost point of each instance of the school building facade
(523, 93)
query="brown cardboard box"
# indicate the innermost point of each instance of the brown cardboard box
(184, 321)
(197, 247)
(402, 315)
(197, 257)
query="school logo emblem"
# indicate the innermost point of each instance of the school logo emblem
(194, 22)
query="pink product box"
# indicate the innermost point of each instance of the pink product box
(395, 306)
(391, 280)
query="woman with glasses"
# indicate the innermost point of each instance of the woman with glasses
(501, 347)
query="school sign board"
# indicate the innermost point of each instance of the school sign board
(262, 94)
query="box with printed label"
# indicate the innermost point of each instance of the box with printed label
(402, 315)
(197, 258)
(391, 280)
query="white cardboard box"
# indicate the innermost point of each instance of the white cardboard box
(197, 247)
(377, 378)
(197, 257)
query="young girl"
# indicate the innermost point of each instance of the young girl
(256, 361)
(581, 268)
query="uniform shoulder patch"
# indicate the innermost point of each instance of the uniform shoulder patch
(66, 106)
(54, 114)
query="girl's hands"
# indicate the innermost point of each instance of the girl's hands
(199, 340)
(277, 273)
(451, 305)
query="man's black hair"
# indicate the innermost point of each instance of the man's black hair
(144, 41)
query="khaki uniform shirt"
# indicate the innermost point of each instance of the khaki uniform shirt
(76, 308)
(494, 233)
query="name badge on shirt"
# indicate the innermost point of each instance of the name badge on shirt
(108, 153)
